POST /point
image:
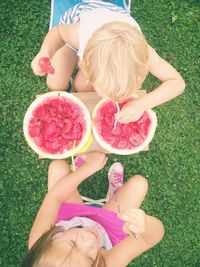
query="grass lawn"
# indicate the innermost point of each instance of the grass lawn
(171, 166)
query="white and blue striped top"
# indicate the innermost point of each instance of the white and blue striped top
(72, 14)
(92, 15)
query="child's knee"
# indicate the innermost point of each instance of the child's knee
(82, 85)
(162, 232)
(55, 85)
(78, 85)
(140, 181)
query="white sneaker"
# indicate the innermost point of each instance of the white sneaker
(115, 178)
(78, 162)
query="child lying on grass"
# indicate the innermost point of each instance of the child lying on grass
(67, 232)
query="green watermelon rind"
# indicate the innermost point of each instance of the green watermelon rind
(109, 148)
(66, 153)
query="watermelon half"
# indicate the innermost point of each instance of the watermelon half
(127, 138)
(57, 125)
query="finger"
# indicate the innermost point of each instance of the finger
(105, 161)
(37, 71)
(132, 213)
(122, 117)
(129, 217)
(124, 120)
(40, 73)
(127, 119)
(119, 116)
(83, 157)
(131, 230)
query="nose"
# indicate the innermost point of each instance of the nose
(85, 235)
(87, 239)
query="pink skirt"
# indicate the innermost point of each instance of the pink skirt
(106, 218)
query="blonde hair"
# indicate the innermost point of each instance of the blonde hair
(43, 253)
(115, 60)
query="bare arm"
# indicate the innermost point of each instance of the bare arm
(172, 85)
(54, 40)
(48, 211)
(129, 248)
(58, 36)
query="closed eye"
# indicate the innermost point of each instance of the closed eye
(72, 243)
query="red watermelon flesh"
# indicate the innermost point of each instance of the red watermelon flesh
(45, 65)
(55, 124)
(124, 136)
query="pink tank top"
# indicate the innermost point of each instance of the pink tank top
(108, 219)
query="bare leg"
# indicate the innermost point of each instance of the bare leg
(130, 195)
(64, 62)
(81, 84)
(57, 170)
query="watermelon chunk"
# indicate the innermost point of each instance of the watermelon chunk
(55, 124)
(128, 135)
(123, 138)
(45, 65)
(67, 126)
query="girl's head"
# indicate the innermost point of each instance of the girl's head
(115, 60)
(66, 248)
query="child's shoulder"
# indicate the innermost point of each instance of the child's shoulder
(70, 34)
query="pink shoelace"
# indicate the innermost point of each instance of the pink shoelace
(118, 177)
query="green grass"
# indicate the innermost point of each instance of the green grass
(171, 165)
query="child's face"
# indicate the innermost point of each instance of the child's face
(80, 246)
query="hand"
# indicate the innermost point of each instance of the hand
(95, 161)
(131, 111)
(135, 221)
(35, 64)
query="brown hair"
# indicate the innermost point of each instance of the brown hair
(116, 60)
(43, 247)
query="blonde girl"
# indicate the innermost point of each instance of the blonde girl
(113, 57)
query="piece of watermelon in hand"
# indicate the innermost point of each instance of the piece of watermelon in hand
(120, 138)
(51, 70)
(44, 61)
(45, 65)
